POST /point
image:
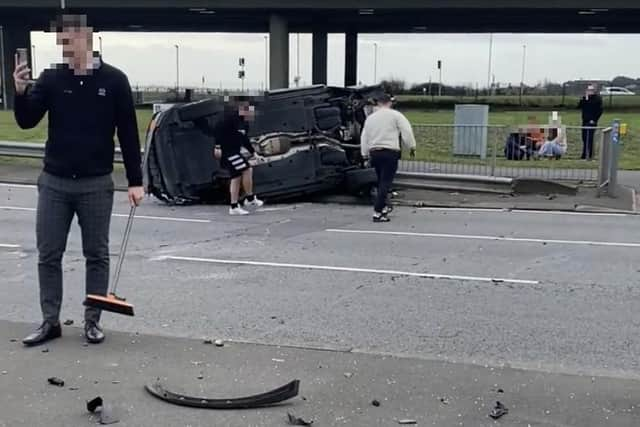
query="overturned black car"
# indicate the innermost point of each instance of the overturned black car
(309, 138)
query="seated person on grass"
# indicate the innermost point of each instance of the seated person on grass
(556, 145)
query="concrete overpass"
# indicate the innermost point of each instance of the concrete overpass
(320, 17)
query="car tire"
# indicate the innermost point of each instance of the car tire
(360, 181)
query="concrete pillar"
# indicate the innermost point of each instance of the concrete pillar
(278, 52)
(319, 58)
(13, 37)
(351, 59)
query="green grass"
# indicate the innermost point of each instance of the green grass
(435, 144)
(9, 131)
(513, 102)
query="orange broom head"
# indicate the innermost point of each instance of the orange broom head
(110, 303)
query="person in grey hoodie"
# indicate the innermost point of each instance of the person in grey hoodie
(386, 131)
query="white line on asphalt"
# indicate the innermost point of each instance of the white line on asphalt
(522, 211)
(158, 218)
(496, 238)
(8, 246)
(346, 269)
(7, 184)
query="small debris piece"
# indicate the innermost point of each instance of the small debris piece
(348, 374)
(375, 402)
(85, 345)
(74, 388)
(444, 400)
(4, 372)
(94, 404)
(498, 411)
(207, 341)
(15, 340)
(219, 343)
(295, 421)
(278, 360)
(500, 390)
(200, 377)
(56, 381)
(46, 350)
(404, 422)
(107, 415)
(68, 322)
(115, 382)
(497, 280)
(274, 317)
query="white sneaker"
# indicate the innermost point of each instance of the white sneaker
(237, 211)
(255, 203)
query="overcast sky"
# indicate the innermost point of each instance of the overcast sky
(150, 58)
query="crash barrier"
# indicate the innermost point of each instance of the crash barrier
(35, 150)
(503, 151)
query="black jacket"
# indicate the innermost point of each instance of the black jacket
(228, 134)
(591, 108)
(84, 113)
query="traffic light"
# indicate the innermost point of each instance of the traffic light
(241, 74)
(241, 62)
(439, 64)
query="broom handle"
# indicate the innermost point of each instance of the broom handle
(127, 230)
(123, 249)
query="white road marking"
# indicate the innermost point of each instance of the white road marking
(495, 238)
(523, 211)
(9, 185)
(346, 269)
(9, 246)
(157, 218)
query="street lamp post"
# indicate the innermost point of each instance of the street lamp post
(266, 63)
(177, 70)
(375, 63)
(100, 41)
(490, 62)
(33, 60)
(524, 58)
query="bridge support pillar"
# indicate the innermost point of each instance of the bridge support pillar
(351, 59)
(278, 52)
(319, 59)
(12, 37)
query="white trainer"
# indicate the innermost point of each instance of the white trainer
(238, 211)
(255, 203)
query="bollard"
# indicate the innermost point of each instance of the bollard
(615, 154)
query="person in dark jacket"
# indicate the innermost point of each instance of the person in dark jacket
(230, 134)
(86, 101)
(591, 106)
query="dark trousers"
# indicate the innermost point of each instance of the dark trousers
(587, 140)
(59, 200)
(385, 162)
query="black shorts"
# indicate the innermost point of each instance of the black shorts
(236, 164)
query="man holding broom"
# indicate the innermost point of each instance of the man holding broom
(86, 100)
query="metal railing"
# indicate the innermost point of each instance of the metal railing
(484, 150)
(35, 150)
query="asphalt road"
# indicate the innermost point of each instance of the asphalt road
(546, 291)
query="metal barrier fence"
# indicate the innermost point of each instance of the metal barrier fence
(501, 151)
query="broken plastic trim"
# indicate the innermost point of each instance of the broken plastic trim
(277, 395)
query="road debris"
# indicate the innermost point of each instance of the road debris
(348, 374)
(45, 350)
(407, 422)
(4, 372)
(498, 411)
(115, 382)
(280, 394)
(295, 421)
(207, 341)
(375, 402)
(107, 414)
(219, 343)
(73, 389)
(200, 377)
(68, 322)
(56, 381)
(278, 360)
(443, 400)
(13, 340)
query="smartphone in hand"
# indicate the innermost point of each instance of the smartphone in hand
(22, 57)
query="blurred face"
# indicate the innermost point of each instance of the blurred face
(591, 90)
(247, 111)
(75, 41)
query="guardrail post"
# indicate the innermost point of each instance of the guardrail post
(615, 153)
